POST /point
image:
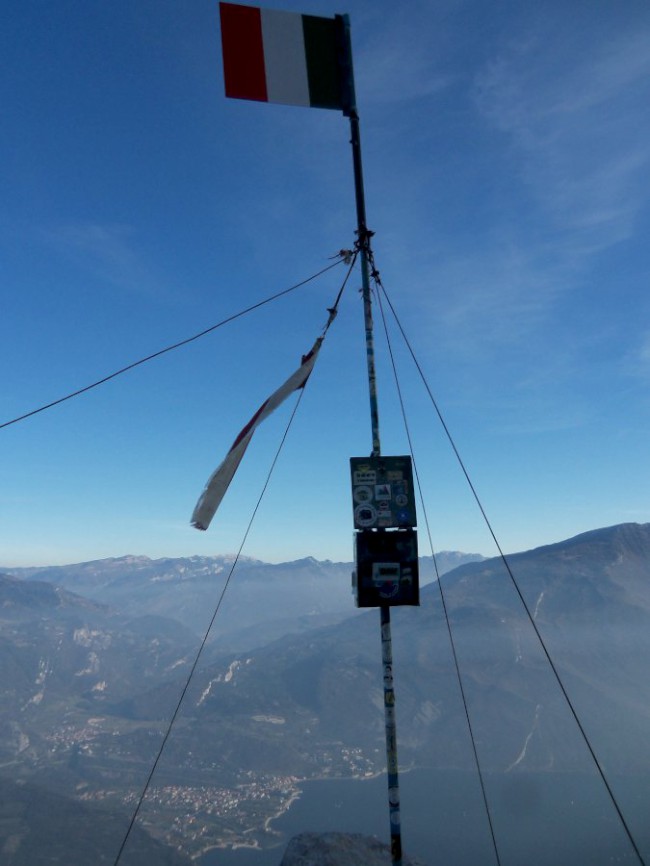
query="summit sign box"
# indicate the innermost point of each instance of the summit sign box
(386, 551)
(382, 492)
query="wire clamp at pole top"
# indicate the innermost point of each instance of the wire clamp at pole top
(363, 238)
(363, 245)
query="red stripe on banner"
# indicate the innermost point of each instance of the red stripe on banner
(246, 430)
(243, 52)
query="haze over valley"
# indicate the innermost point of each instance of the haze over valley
(288, 694)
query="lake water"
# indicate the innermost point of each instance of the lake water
(539, 819)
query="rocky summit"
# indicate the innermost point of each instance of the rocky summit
(339, 849)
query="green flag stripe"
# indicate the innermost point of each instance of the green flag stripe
(322, 61)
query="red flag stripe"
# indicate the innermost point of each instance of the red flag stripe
(243, 52)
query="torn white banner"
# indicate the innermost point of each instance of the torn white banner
(220, 479)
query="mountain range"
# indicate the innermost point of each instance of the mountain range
(90, 678)
(264, 602)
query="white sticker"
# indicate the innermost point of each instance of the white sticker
(365, 515)
(382, 491)
(362, 494)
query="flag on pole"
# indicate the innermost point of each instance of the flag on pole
(273, 56)
(220, 479)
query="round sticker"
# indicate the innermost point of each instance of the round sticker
(362, 494)
(389, 589)
(365, 515)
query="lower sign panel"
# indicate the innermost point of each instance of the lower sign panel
(386, 568)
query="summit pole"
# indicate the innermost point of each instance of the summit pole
(363, 240)
(363, 235)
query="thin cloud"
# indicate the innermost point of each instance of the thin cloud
(636, 362)
(392, 76)
(386, 72)
(576, 112)
(495, 295)
(109, 253)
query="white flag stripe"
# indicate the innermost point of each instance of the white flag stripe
(284, 57)
(220, 479)
(218, 484)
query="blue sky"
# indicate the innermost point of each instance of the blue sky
(507, 174)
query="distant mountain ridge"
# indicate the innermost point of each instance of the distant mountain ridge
(86, 688)
(77, 649)
(265, 600)
(590, 597)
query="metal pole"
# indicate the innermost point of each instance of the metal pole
(364, 246)
(364, 242)
(391, 739)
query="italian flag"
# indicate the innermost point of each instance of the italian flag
(274, 56)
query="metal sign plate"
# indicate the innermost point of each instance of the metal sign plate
(382, 492)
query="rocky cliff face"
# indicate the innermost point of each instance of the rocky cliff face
(339, 849)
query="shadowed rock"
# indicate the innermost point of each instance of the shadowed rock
(339, 849)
